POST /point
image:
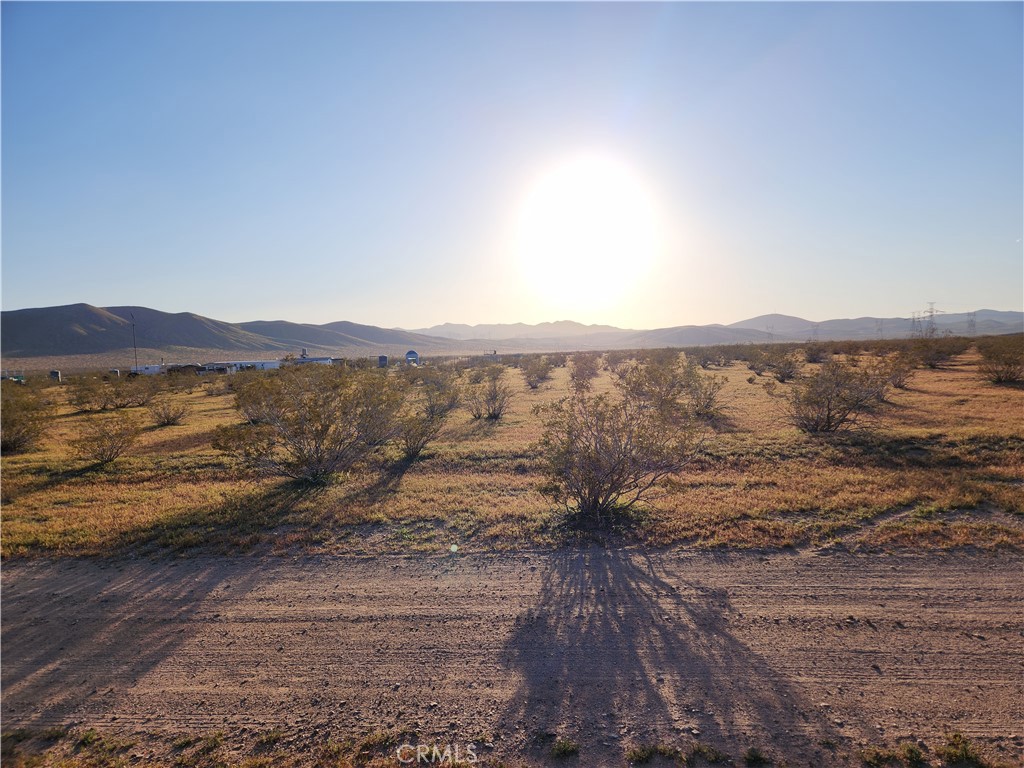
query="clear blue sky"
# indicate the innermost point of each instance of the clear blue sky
(322, 161)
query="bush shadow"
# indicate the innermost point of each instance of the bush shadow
(875, 449)
(239, 523)
(616, 653)
(77, 633)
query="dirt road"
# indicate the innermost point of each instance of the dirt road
(809, 657)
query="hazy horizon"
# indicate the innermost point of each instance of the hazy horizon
(725, 322)
(407, 165)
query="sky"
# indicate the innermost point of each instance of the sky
(409, 164)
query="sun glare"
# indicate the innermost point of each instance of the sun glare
(587, 232)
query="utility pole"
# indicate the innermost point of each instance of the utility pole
(134, 345)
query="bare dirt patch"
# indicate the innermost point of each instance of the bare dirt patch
(808, 657)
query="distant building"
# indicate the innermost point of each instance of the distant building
(147, 370)
(304, 359)
(234, 366)
(412, 358)
(176, 369)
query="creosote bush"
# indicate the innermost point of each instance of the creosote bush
(167, 413)
(933, 350)
(24, 415)
(604, 454)
(104, 439)
(584, 370)
(536, 371)
(491, 397)
(437, 396)
(1002, 359)
(834, 397)
(901, 368)
(311, 422)
(669, 384)
(92, 394)
(785, 367)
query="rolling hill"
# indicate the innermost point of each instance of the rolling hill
(82, 330)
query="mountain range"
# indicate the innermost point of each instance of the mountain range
(84, 330)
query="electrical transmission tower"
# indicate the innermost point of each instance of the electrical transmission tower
(972, 324)
(930, 329)
(915, 325)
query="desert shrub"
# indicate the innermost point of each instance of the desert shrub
(785, 366)
(958, 750)
(673, 387)
(703, 394)
(757, 361)
(536, 371)
(616, 358)
(491, 397)
(934, 350)
(564, 748)
(440, 393)
(660, 383)
(256, 395)
(415, 431)
(24, 417)
(167, 413)
(1002, 359)
(705, 357)
(92, 394)
(313, 421)
(912, 755)
(106, 438)
(815, 353)
(604, 454)
(89, 394)
(834, 397)
(584, 369)
(134, 391)
(900, 369)
(438, 396)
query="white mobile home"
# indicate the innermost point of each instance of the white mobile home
(234, 366)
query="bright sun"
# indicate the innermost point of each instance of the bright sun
(587, 232)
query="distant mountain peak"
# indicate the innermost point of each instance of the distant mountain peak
(82, 329)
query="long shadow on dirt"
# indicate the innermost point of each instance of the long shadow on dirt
(241, 522)
(616, 653)
(74, 640)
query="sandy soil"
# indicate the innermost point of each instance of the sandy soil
(792, 653)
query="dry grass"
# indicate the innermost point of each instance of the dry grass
(942, 465)
(58, 748)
